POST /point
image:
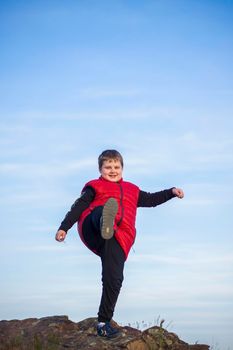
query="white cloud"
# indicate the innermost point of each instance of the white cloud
(111, 113)
(185, 257)
(100, 92)
(36, 170)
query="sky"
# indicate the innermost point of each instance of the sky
(154, 80)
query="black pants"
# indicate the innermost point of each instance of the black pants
(112, 258)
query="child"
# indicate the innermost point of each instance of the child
(106, 214)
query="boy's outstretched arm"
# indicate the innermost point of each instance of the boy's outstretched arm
(178, 192)
(73, 215)
(147, 199)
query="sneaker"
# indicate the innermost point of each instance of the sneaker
(109, 213)
(106, 330)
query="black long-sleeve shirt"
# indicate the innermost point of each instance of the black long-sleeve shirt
(145, 199)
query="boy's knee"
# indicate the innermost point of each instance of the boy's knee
(95, 217)
(112, 282)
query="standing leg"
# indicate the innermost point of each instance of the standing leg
(113, 259)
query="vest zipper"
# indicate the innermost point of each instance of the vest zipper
(121, 205)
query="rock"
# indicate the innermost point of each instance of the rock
(59, 333)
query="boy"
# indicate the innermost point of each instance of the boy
(106, 214)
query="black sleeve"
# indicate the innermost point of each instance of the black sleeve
(147, 199)
(77, 208)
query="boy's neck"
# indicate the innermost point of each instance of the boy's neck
(102, 178)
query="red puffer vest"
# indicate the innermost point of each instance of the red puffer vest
(126, 195)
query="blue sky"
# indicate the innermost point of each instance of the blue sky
(152, 79)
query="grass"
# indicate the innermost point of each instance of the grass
(142, 325)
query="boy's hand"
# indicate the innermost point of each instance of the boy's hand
(178, 192)
(60, 235)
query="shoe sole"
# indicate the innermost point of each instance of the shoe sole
(109, 213)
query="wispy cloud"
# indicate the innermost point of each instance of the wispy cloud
(181, 260)
(100, 92)
(36, 170)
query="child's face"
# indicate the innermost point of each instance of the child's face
(111, 170)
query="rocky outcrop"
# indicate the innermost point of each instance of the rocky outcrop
(59, 333)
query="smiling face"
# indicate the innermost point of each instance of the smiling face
(111, 170)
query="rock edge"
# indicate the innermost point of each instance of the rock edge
(59, 333)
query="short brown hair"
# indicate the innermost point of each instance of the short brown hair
(109, 154)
